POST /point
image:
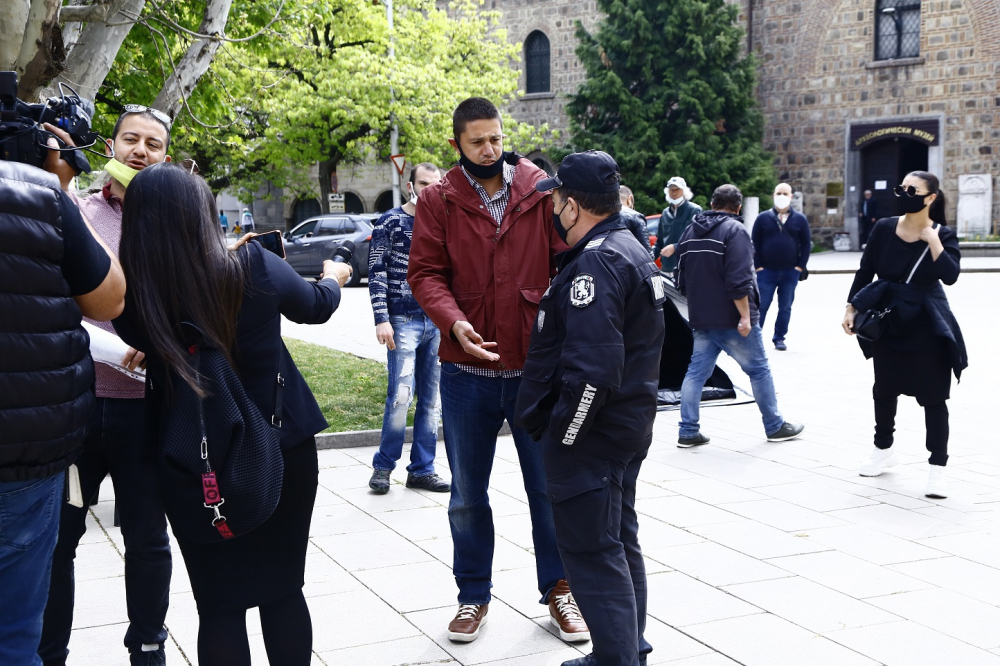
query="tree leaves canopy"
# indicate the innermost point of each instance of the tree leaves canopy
(669, 92)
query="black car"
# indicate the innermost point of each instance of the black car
(309, 244)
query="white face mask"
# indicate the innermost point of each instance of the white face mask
(413, 193)
(675, 202)
(782, 201)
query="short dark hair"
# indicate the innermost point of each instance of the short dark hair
(412, 180)
(603, 203)
(472, 109)
(727, 198)
(140, 114)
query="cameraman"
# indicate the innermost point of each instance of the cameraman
(117, 440)
(52, 268)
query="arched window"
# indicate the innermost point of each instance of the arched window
(304, 209)
(897, 29)
(537, 62)
(353, 203)
(384, 202)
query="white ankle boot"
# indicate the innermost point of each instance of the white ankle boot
(937, 484)
(878, 462)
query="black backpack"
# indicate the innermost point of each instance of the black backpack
(220, 462)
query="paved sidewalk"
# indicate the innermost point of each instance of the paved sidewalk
(758, 554)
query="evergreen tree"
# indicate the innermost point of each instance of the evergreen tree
(669, 92)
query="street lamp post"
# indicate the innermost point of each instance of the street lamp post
(394, 130)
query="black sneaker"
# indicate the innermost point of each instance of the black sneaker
(431, 482)
(785, 432)
(780, 345)
(688, 442)
(152, 658)
(380, 481)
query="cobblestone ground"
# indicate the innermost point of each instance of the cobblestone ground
(758, 554)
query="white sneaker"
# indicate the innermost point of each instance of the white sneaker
(878, 462)
(937, 485)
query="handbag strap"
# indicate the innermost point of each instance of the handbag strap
(919, 259)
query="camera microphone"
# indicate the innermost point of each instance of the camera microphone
(343, 254)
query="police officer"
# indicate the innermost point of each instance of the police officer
(588, 393)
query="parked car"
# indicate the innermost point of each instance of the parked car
(313, 241)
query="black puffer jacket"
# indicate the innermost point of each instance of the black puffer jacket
(46, 374)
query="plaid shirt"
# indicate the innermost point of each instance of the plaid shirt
(496, 204)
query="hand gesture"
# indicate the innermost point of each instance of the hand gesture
(385, 335)
(744, 326)
(134, 359)
(848, 323)
(472, 342)
(54, 163)
(930, 235)
(337, 270)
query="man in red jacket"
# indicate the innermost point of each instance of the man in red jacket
(482, 256)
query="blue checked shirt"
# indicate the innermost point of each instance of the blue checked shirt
(388, 260)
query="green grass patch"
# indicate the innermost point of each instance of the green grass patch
(350, 390)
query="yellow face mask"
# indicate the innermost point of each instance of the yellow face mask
(120, 172)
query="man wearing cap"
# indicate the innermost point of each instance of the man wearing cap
(675, 219)
(588, 394)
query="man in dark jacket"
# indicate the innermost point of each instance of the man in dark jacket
(867, 217)
(634, 221)
(715, 273)
(675, 219)
(52, 270)
(589, 395)
(482, 255)
(781, 243)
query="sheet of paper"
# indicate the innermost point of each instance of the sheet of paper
(109, 349)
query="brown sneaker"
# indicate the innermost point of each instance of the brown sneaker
(564, 614)
(465, 627)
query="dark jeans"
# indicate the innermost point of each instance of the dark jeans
(597, 530)
(785, 282)
(117, 443)
(473, 410)
(29, 526)
(935, 419)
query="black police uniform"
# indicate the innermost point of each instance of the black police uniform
(588, 392)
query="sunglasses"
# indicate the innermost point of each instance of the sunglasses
(156, 113)
(909, 191)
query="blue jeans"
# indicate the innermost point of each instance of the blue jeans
(784, 281)
(749, 353)
(474, 409)
(29, 527)
(413, 370)
(118, 444)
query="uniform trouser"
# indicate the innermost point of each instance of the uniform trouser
(597, 531)
(116, 443)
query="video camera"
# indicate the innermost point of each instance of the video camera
(22, 137)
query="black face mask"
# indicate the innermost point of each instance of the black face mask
(561, 231)
(909, 204)
(488, 171)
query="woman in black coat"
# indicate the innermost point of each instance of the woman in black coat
(179, 271)
(921, 345)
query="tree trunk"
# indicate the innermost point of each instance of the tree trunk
(13, 19)
(326, 169)
(196, 61)
(41, 55)
(90, 60)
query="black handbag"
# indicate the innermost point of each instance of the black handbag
(220, 461)
(870, 324)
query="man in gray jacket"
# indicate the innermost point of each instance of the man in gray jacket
(715, 272)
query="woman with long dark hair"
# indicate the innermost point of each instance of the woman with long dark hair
(921, 344)
(180, 271)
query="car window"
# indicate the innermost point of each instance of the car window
(335, 226)
(306, 227)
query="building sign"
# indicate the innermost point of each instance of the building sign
(337, 203)
(924, 131)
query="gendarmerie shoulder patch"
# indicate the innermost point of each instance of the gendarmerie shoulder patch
(582, 294)
(541, 320)
(594, 243)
